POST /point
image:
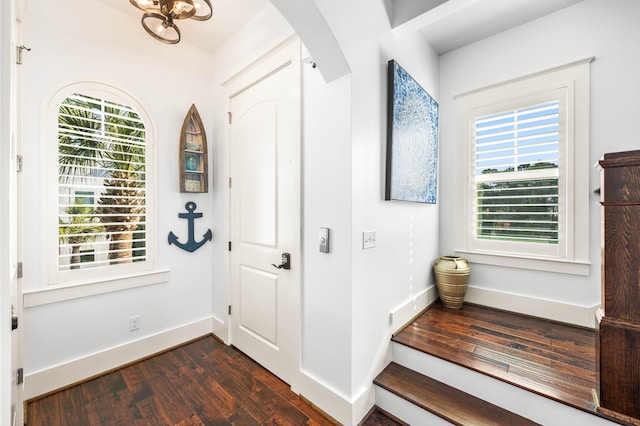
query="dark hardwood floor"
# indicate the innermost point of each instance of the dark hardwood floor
(208, 383)
(201, 383)
(550, 359)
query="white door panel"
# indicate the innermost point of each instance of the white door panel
(265, 212)
(258, 304)
(258, 174)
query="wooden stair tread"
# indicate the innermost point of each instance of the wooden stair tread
(554, 360)
(443, 400)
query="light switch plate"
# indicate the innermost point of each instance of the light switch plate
(368, 239)
(324, 240)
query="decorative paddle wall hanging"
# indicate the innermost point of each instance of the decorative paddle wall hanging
(194, 170)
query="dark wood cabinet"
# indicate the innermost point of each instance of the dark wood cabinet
(619, 317)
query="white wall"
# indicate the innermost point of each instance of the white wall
(348, 294)
(399, 268)
(91, 41)
(607, 30)
(326, 292)
(326, 195)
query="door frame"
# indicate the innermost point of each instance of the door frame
(12, 400)
(275, 59)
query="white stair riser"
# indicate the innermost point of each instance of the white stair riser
(406, 411)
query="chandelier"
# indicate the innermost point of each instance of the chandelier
(159, 15)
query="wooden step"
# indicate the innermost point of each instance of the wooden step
(443, 400)
(556, 361)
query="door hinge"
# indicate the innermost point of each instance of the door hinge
(229, 245)
(19, 163)
(230, 116)
(229, 182)
(20, 376)
(19, 50)
(19, 270)
(229, 309)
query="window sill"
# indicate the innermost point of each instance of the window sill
(60, 293)
(572, 267)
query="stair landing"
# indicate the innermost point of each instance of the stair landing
(554, 360)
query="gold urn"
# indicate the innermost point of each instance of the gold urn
(452, 279)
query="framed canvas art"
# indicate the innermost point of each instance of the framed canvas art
(412, 139)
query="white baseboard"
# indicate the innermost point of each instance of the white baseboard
(331, 402)
(363, 403)
(403, 314)
(583, 316)
(221, 330)
(352, 411)
(48, 380)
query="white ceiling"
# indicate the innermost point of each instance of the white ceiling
(457, 23)
(447, 24)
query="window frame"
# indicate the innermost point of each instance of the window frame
(477, 244)
(52, 276)
(571, 83)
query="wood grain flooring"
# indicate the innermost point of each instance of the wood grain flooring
(201, 383)
(208, 383)
(551, 359)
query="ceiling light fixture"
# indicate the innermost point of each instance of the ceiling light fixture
(159, 15)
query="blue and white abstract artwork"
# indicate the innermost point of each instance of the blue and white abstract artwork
(412, 140)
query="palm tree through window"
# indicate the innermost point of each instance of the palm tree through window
(102, 185)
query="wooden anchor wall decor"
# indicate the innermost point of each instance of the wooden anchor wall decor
(191, 245)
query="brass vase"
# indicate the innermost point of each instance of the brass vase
(452, 279)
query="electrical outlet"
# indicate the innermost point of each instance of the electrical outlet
(368, 239)
(134, 323)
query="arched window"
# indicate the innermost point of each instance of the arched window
(100, 155)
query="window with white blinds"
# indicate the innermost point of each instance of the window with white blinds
(516, 174)
(100, 222)
(101, 183)
(525, 192)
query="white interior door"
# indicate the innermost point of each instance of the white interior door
(265, 211)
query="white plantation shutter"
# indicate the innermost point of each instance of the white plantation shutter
(515, 169)
(524, 198)
(102, 184)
